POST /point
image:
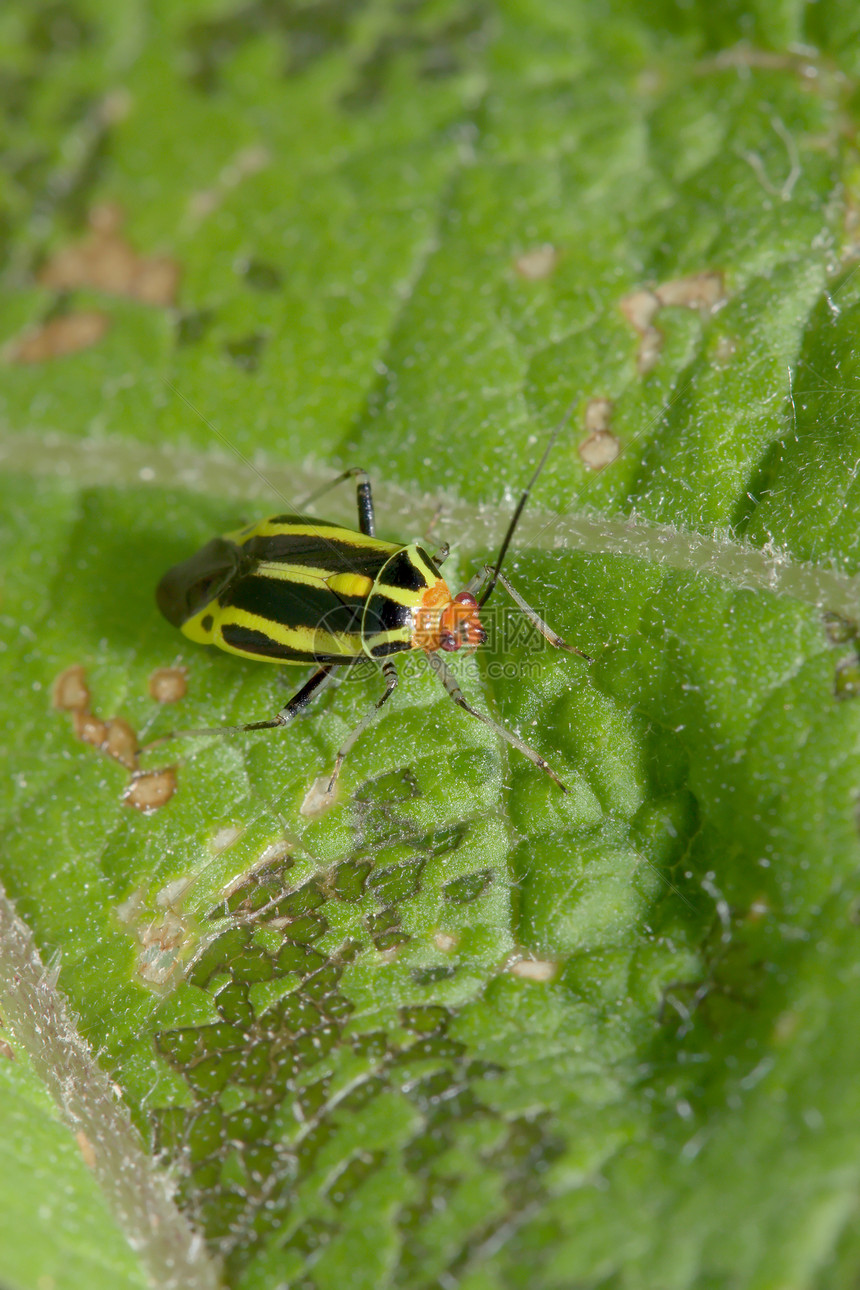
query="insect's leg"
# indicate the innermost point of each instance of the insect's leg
(364, 498)
(300, 700)
(389, 671)
(477, 582)
(441, 554)
(434, 520)
(456, 694)
(535, 618)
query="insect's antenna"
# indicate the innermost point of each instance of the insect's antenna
(520, 507)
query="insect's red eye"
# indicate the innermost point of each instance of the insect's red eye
(449, 641)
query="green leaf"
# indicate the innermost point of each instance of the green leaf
(458, 1028)
(47, 1187)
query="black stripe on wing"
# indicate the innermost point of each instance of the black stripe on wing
(294, 604)
(259, 645)
(317, 551)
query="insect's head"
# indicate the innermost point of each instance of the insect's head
(460, 624)
(443, 623)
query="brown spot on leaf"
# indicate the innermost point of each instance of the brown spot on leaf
(445, 942)
(649, 350)
(90, 729)
(161, 929)
(65, 334)
(703, 291)
(116, 738)
(538, 263)
(533, 969)
(168, 684)
(318, 798)
(105, 261)
(149, 790)
(598, 413)
(640, 309)
(600, 447)
(71, 692)
(121, 742)
(599, 450)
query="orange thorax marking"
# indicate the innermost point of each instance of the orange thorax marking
(443, 623)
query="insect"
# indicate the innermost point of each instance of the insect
(299, 590)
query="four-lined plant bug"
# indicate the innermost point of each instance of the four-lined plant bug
(299, 590)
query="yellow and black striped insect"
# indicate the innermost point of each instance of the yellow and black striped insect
(299, 590)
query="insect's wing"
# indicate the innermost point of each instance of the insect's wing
(187, 588)
(303, 596)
